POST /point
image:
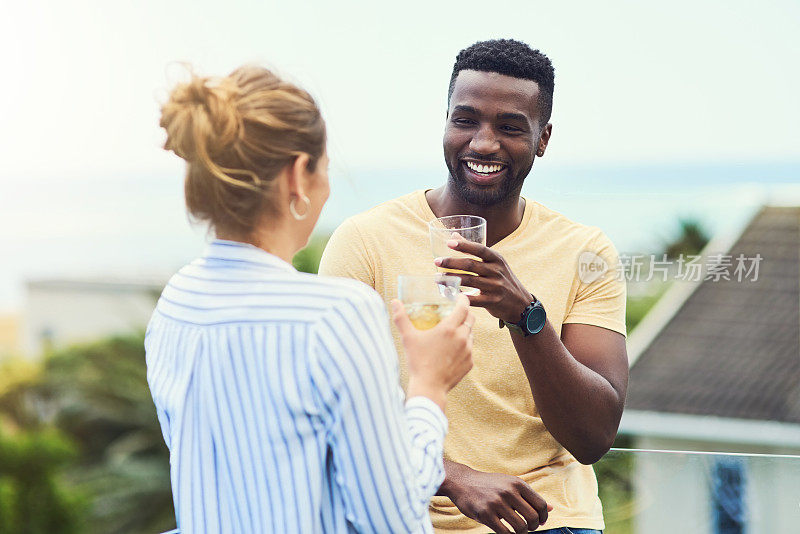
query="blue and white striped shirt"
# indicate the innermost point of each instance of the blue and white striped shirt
(278, 397)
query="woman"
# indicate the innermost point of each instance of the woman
(277, 391)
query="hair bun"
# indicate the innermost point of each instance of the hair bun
(237, 134)
(201, 118)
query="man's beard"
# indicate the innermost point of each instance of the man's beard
(485, 197)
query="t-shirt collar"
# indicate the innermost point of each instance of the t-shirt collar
(527, 215)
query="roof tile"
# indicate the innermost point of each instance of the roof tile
(733, 348)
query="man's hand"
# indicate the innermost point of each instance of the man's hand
(502, 294)
(490, 497)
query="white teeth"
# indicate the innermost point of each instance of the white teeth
(484, 169)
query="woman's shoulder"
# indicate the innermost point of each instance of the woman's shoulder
(347, 290)
(348, 303)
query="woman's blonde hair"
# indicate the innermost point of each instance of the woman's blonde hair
(236, 134)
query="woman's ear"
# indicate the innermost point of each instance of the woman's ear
(297, 175)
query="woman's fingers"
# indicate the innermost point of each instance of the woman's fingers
(400, 317)
(460, 312)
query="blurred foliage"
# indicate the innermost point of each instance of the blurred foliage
(16, 370)
(615, 487)
(691, 239)
(637, 307)
(33, 497)
(97, 397)
(307, 260)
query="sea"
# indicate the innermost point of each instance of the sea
(133, 225)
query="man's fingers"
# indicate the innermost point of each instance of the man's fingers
(468, 280)
(516, 521)
(476, 249)
(480, 301)
(463, 264)
(535, 500)
(496, 525)
(529, 513)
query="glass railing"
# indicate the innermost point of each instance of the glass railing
(654, 492)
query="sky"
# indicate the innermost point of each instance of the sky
(644, 91)
(635, 81)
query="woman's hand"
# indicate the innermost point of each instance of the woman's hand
(438, 358)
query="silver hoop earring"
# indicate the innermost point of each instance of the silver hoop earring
(293, 209)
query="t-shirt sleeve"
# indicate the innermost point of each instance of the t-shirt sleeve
(600, 299)
(346, 255)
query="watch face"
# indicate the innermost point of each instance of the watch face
(536, 319)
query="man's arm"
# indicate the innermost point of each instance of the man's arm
(578, 422)
(578, 382)
(580, 407)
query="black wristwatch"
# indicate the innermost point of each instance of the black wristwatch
(531, 322)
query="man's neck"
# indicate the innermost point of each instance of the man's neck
(501, 219)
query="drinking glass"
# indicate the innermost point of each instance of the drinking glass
(428, 298)
(467, 227)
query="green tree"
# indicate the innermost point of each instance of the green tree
(637, 307)
(691, 238)
(307, 260)
(33, 497)
(615, 486)
(97, 396)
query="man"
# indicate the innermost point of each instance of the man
(545, 396)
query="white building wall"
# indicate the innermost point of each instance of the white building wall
(774, 494)
(60, 313)
(673, 491)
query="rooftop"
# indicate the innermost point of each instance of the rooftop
(732, 348)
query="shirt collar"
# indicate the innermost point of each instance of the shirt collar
(238, 252)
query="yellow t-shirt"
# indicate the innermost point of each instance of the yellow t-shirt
(494, 424)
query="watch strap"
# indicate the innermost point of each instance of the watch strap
(521, 327)
(513, 327)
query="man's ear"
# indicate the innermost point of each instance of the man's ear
(296, 175)
(544, 138)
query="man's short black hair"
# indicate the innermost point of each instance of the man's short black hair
(511, 58)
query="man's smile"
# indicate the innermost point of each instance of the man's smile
(482, 173)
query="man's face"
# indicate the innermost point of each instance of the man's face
(491, 135)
